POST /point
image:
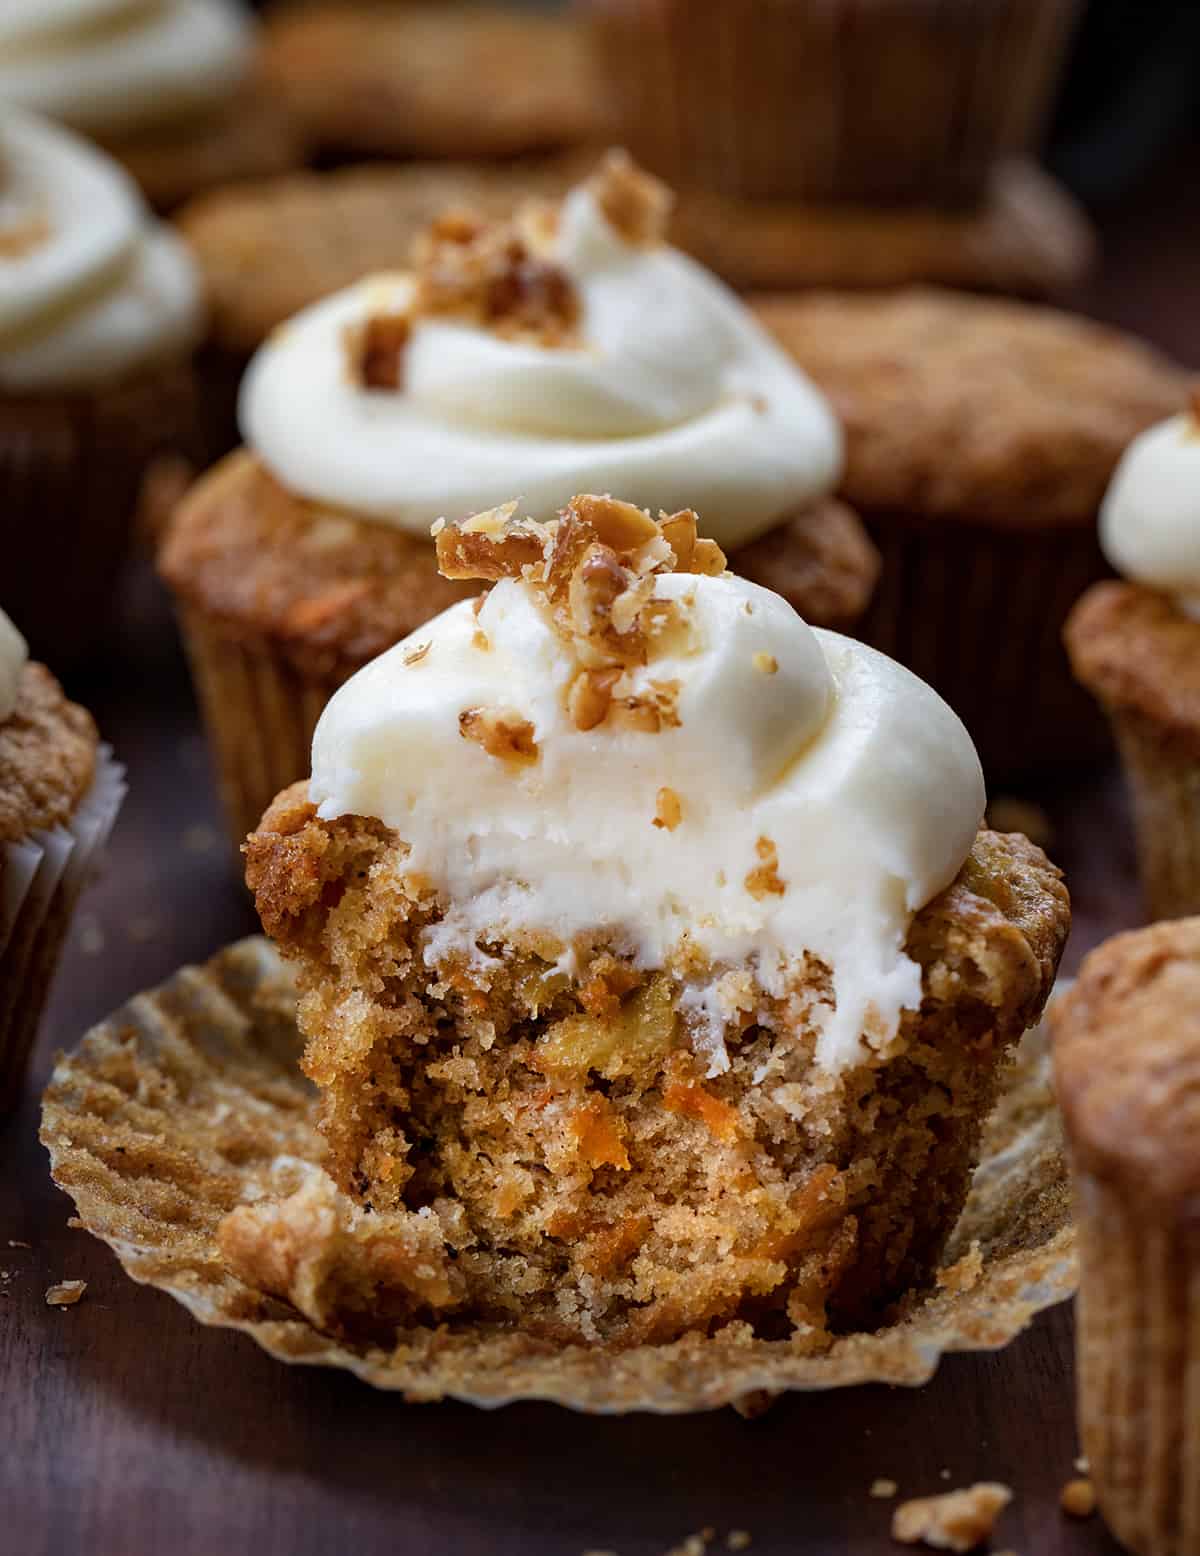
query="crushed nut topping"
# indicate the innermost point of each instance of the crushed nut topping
(763, 880)
(634, 202)
(506, 736)
(668, 810)
(23, 236)
(375, 350)
(594, 568)
(766, 664)
(955, 1521)
(415, 655)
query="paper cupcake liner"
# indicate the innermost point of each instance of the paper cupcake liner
(1138, 1352)
(259, 713)
(204, 1108)
(1164, 787)
(857, 100)
(40, 883)
(71, 474)
(978, 613)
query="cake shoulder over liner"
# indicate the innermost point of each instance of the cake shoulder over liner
(653, 972)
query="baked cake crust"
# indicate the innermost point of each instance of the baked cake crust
(47, 757)
(965, 408)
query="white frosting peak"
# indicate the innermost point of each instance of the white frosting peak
(1150, 519)
(13, 657)
(114, 66)
(675, 395)
(809, 758)
(90, 285)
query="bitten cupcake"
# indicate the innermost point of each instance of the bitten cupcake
(59, 795)
(871, 101)
(1127, 1067)
(163, 87)
(99, 310)
(1136, 646)
(653, 970)
(980, 438)
(564, 349)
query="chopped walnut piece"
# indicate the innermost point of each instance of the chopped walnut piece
(375, 350)
(965, 1274)
(463, 552)
(668, 811)
(954, 1521)
(708, 559)
(633, 201)
(590, 696)
(504, 735)
(415, 655)
(766, 664)
(619, 525)
(763, 880)
(679, 532)
(1078, 1498)
(66, 1294)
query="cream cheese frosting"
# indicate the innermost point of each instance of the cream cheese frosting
(109, 67)
(673, 394)
(13, 657)
(819, 795)
(91, 287)
(1150, 518)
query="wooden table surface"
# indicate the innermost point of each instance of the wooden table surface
(126, 1428)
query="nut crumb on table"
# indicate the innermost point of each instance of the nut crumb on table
(1078, 1498)
(66, 1293)
(955, 1521)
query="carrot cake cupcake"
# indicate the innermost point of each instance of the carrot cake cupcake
(563, 348)
(1135, 644)
(1127, 1070)
(164, 87)
(431, 80)
(99, 311)
(59, 796)
(653, 970)
(980, 438)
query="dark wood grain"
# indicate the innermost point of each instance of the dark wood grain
(125, 1428)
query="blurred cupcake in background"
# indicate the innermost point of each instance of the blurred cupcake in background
(99, 311)
(164, 87)
(563, 349)
(785, 123)
(60, 792)
(1135, 644)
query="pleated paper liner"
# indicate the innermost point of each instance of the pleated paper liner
(1163, 779)
(188, 1101)
(41, 879)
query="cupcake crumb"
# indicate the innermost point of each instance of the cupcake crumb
(66, 1294)
(963, 1275)
(883, 1488)
(1078, 1498)
(1083, 1464)
(739, 1540)
(954, 1521)
(668, 809)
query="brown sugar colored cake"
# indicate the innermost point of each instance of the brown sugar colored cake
(59, 795)
(980, 437)
(1135, 645)
(599, 1058)
(526, 352)
(432, 80)
(1127, 1064)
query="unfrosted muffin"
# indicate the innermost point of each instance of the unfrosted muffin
(59, 796)
(431, 80)
(866, 101)
(99, 312)
(1135, 645)
(980, 437)
(653, 972)
(1127, 1070)
(562, 348)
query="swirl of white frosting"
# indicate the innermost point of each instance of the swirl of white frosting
(13, 657)
(1150, 518)
(91, 287)
(858, 776)
(677, 397)
(112, 66)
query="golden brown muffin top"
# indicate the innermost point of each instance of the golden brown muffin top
(47, 757)
(1127, 1065)
(331, 590)
(1134, 650)
(984, 411)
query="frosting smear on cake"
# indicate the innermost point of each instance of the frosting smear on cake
(623, 737)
